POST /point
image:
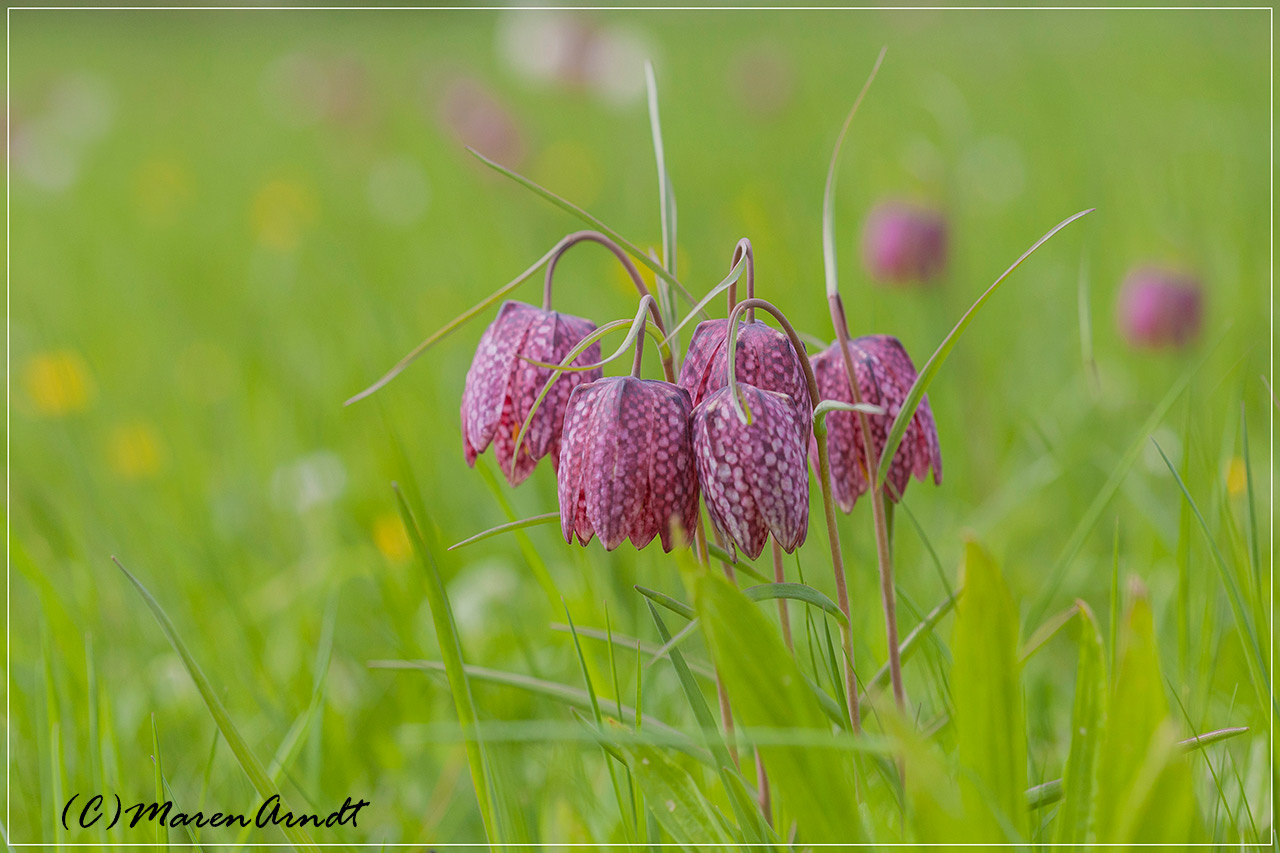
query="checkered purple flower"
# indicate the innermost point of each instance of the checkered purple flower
(885, 374)
(626, 464)
(501, 386)
(765, 359)
(753, 476)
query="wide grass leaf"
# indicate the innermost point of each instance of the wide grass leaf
(1144, 781)
(814, 786)
(1086, 732)
(987, 693)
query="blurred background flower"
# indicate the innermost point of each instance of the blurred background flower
(1160, 307)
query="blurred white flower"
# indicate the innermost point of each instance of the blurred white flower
(398, 191)
(313, 480)
(48, 145)
(477, 592)
(573, 51)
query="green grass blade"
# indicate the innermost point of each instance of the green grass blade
(162, 829)
(795, 592)
(1144, 788)
(249, 762)
(1248, 636)
(451, 650)
(574, 697)
(1087, 714)
(642, 648)
(813, 785)
(677, 607)
(1082, 530)
(939, 357)
(453, 325)
(829, 189)
(531, 521)
(912, 642)
(598, 717)
(666, 199)
(987, 693)
(749, 821)
(531, 555)
(1047, 631)
(676, 801)
(571, 208)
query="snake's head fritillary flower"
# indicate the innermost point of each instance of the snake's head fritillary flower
(904, 243)
(754, 476)
(1160, 308)
(502, 385)
(626, 463)
(885, 374)
(765, 359)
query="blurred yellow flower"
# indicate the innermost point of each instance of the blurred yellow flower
(163, 189)
(390, 537)
(1237, 477)
(282, 210)
(135, 450)
(58, 383)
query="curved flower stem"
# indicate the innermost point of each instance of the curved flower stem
(824, 483)
(883, 553)
(740, 251)
(577, 237)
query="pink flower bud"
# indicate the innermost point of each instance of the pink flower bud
(626, 464)
(754, 477)
(1160, 308)
(885, 374)
(501, 386)
(904, 243)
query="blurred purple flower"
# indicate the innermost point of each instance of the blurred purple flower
(904, 243)
(474, 117)
(501, 386)
(1160, 307)
(765, 359)
(885, 374)
(626, 464)
(754, 477)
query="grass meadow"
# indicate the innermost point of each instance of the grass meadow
(225, 223)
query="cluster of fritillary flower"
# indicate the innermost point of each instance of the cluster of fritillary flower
(633, 455)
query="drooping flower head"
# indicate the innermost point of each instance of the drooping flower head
(502, 386)
(903, 243)
(626, 463)
(753, 476)
(885, 374)
(765, 359)
(1160, 308)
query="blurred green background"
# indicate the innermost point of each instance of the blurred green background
(225, 223)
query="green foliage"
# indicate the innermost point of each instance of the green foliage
(986, 690)
(1087, 715)
(1144, 790)
(814, 785)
